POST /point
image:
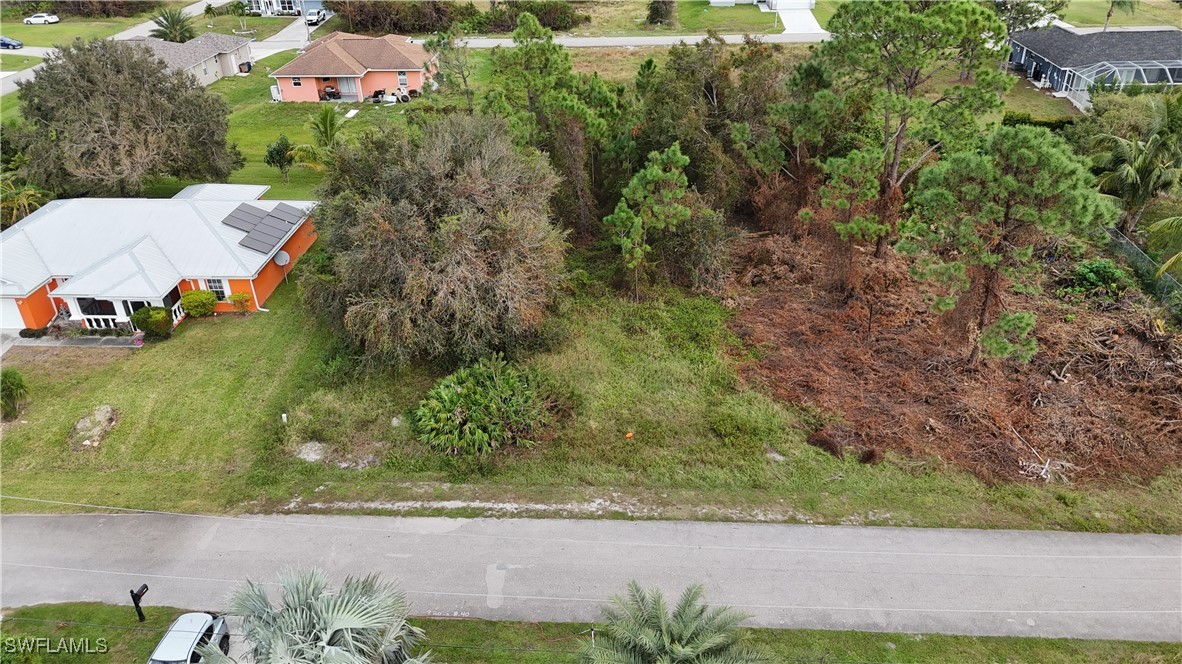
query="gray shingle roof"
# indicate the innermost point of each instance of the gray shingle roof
(1069, 49)
(193, 52)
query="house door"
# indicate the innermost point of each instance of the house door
(348, 87)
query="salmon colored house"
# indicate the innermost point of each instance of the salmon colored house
(352, 67)
(97, 260)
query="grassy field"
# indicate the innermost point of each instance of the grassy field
(1149, 12)
(501, 642)
(12, 62)
(264, 27)
(824, 10)
(697, 16)
(72, 27)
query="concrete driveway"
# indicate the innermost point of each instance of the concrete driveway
(1019, 583)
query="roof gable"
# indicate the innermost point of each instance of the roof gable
(104, 243)
(345, 54)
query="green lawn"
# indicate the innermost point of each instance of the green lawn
(697, 16)
(1025, 98)
(1149, 12)
(72, 27)
(264, 27)
(466, 641)
(10, 107)
(11, 62)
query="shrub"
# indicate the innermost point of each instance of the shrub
(199, 303)
(33, 332)
(419, 16)
(661, 12)
(552, 14)
(695, 253)
(324, 417)
(1100, 274)
(480, 409)
(1014, 118)
(154, 322)
(240, 302)
(13, 392)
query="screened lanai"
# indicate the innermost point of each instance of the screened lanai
(1119, 74)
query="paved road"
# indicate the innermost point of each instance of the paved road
(880, 579)
(647, 40)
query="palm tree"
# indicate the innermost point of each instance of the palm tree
(326, 127)
(364, 622)
(211, 13)
(1138, 169)
(640, 630)
(174, 26)
(238, 8)
(1165, 235)
(13, 392)
(1125, 6)
(18, 199)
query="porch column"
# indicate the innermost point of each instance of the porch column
(75, 310)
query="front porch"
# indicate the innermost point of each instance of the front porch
(109, 314)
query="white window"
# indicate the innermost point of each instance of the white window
(205, 68)
(402, 78)
(295, 82)
(218, 287)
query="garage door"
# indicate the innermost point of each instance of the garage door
(10, 315)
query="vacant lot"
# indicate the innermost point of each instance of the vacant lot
(464, 641)
(1148, 12)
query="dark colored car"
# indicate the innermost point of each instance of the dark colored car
(6, 42)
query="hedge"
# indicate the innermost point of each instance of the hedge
(1014, 118)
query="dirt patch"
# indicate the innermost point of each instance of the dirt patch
(58, 362)
(90, 431)
(1102, 398)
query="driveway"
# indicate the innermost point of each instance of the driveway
(1020, 583)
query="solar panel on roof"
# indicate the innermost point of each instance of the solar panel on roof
(245, 226)
(267, 230)
(261, 247)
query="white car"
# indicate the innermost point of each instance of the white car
(188, 632)
(42, 19)
(316, 17)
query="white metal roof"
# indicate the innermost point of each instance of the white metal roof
(223, 192)
(112, 247)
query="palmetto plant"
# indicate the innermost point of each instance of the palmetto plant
(363, 622)
(173, 25)
(1166, 235)
(639, 629)
(327, 128)
(18, 199)
(1136, 169)
(13, 392)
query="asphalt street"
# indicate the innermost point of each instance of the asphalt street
(880, 579)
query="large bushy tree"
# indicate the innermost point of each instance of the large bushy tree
(902, 54)
(456, 68)
(108, 117)
(440, 243)
(978, 216)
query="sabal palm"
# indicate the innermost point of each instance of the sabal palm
(363, 622)
(238, 9)
(1166, 235)
(173, 25)
(639, 629)
(211, 13)
(1136, 170)
(326, 128)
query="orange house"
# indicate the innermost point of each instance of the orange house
(97, 260)
(347, 67)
